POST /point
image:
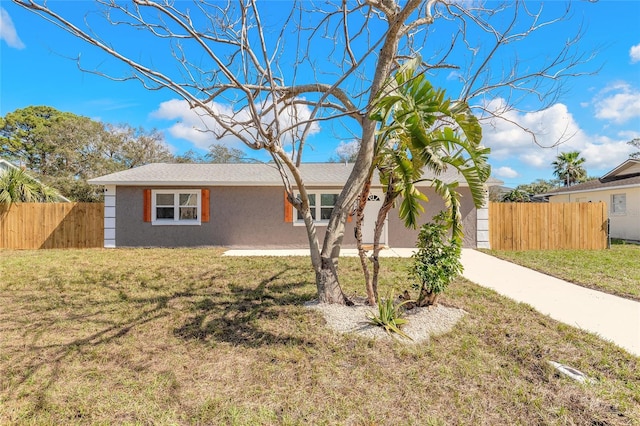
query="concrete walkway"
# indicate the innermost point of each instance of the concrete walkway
(613, 318)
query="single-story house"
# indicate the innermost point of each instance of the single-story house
(243, 205)
(620, 189)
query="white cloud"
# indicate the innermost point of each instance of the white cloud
(629, 134)
(202, 129)
(348, 149)
(8, 31)
(619, 103)
(505, 172)
(634, 53)
(506, 137)
(555, 129)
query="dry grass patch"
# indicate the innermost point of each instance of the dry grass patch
(614, 271)
(188, 337)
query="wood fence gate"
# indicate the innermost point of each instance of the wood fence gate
(51, 225)
(548, 226)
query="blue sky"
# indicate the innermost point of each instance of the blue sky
(599, 112)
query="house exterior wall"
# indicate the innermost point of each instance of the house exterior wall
(252, 217)
(623, 225)
(240, 217)
(400, 236)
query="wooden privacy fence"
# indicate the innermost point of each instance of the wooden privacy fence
(548, 226)
(51, 225)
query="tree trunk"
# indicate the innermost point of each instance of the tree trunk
(372, 294)
(377, 233)
(329, 290)
(427, 298)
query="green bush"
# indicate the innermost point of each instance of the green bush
(437, 261)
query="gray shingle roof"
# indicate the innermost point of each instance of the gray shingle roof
(244, 174)
(596, 185)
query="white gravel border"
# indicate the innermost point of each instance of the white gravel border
(422, 322)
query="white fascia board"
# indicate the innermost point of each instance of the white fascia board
(185, 183)
(243, 184)
(200, 183)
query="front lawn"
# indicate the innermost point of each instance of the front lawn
(615, 271)
(161, 336)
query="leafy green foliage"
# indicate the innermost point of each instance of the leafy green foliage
(64, 150)
(420, 129)
(437, 262)
(636, 144)
(390, 316)
(17, 186)
(539, 186)
(516, 196)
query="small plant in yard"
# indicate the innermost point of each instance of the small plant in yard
(390, 316)
(437, 261)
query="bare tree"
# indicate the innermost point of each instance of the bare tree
(271, 77)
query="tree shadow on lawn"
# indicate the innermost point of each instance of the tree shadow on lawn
(244, 315)
(236, 314)
(48, 359)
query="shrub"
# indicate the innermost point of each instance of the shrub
(437, 261)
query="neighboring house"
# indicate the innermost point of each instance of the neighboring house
(5, 165)
(243, 205)
(620, 189)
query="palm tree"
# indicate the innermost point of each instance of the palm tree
(421, 130)
(568, 168)
(16, 186)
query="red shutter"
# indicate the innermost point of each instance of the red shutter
(146, 205)
(288, 209)
(205, 205)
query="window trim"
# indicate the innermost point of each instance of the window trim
(318, 207)
(618, 213)
(176, 200)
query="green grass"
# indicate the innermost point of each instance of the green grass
(615, 271)
(160, 336)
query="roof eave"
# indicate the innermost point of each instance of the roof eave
(244, 184)
(606, 188)
(621, 166)
(201, 183)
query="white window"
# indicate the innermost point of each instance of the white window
(321, 204)
(175, 207)
(618, 203)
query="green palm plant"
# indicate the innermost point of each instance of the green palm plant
(568, 168)
(420, 130)
(17, 186)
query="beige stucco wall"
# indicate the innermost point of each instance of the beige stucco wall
(623, 225)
